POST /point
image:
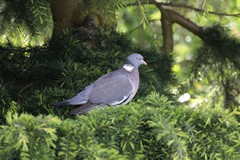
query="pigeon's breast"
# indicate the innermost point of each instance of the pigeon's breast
(134, 77)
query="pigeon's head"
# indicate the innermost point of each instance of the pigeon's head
(134, 60)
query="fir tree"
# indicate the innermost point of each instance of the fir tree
(50, 50)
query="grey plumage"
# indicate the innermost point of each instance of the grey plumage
(114, 88)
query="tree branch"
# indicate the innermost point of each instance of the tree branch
(153, 2)
(185, 23)
(167, 31)
(169, 17)
(197, 9)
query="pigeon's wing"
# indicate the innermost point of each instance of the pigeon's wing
(111, 89)
(80, 98)
(83, 109)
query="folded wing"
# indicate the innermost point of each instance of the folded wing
(111, 89)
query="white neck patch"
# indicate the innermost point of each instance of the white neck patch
(128, 67)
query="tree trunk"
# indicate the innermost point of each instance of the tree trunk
(69, 14)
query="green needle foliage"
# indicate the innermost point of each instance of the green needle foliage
(217, 62)
(152, 128)
(25, 20)
(35, 77)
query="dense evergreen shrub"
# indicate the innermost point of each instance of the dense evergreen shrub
(40, 76)
(152, 128)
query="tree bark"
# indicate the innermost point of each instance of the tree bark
(69, 14)
(168, 18)
(167, 31)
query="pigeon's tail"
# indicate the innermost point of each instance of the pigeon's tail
(63, 103)
(76, 100)
(84, 108)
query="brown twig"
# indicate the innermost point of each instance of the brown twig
(176, 5)
(197, 9)
(27, 86)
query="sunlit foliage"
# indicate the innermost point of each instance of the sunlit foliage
(152, 128)
(204, 124)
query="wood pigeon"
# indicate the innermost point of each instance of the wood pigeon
(115, 88)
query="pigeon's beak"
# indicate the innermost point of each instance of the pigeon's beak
(144, 62)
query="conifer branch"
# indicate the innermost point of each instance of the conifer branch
(176, 5)
(167, 32)
(184, 22)
(169, 17)
(197, 9)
